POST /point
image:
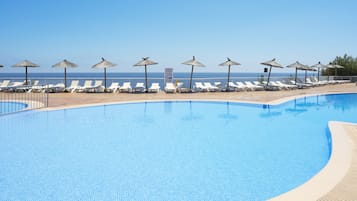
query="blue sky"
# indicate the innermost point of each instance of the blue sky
(171, 32)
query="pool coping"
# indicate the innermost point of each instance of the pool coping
(317, 186)
(333, 172)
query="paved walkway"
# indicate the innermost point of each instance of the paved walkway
(346, 189)
(68, 99)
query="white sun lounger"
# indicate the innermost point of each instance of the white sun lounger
(16, 86)
(39, 88)
(271, 86)
(59, 87)
(53, 88)
(210, 87)
(231, 85)
(300, 85)
(320, 83)
(218, 84)
(113, 87)
(258, 83)
(126, 87)
(201, 87)
(242, 86)
(280, 84)
(236, 87)
(34, 85)
(87, 85)
(254, 87)
(181, 88)
(155, 88)
(139, 87)
(308, 81)
(179, 85)
(97, 87)
(4, 85)
(170, 88)
(26, 88)
(74, 86)
(286, 86)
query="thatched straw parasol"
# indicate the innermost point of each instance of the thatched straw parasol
(193, 62)
(229, 63)
(65, 64)
(104, 64)
(271, 63)
(26, 64)
(298, 66)
(318, 66)
(146, 62)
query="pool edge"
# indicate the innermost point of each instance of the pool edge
(333, 172)
(274, 102)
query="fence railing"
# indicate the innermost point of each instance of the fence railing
(16, 100)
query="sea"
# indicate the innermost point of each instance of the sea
(158, 77)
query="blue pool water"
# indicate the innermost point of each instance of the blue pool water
(11, 106)
(168, 150)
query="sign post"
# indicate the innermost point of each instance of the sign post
(168, 75)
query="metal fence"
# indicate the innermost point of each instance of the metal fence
(16, 100)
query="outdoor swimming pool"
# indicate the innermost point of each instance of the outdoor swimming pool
(11, 106)
(168, 150)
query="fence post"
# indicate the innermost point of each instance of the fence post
(47, 98)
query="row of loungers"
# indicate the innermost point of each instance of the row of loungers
(88, 86)
(97, 86)
(252, 86)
